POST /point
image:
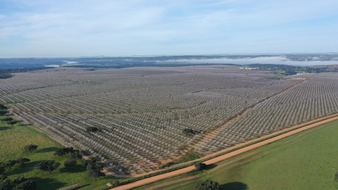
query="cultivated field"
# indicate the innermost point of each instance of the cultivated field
(313, 98)
(141, 112)
(304, 161)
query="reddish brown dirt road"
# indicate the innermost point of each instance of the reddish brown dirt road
(297, 129)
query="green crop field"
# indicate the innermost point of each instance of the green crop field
(12, 140)
(303, 161)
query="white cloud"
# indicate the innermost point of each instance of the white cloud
(188, 26)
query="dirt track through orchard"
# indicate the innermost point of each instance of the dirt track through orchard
(297, 129)
(211, 133)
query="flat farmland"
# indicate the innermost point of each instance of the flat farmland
(307, 160)
(141, 113)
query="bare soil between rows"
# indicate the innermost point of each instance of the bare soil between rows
(238, 149)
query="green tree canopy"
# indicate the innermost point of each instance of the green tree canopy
(49, 165)
(207, 185)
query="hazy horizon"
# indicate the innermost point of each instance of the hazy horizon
(185, 60)
(169, 55)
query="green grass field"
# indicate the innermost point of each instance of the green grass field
(304, 161)
(12, 140)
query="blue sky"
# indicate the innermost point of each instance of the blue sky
(57, 28)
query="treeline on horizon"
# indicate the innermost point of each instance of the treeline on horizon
(8, 73)
(292, 70)
(284, 69)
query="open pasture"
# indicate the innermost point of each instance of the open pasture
(14, 138)
(307, 160)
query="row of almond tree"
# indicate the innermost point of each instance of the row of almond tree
(139, 115)
(309, 100)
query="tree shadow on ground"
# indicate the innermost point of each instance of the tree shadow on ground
(77, 169)
(4, 128)
(234, 186)
(211, 166)
(13, 122)
(48, 149)
(24, 169)
(46, 183)
(24, 124)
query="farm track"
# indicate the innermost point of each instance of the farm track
(141, 119)
(213, 132)
(238, 149)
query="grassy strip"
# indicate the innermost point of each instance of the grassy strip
(306, 160)
(14, 137)
(191, 163)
